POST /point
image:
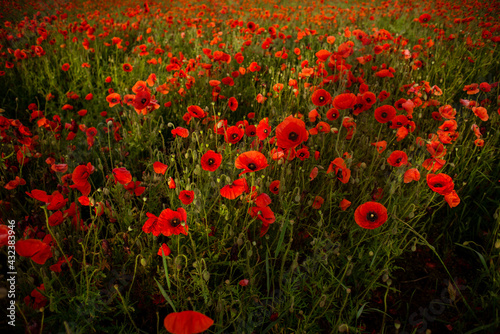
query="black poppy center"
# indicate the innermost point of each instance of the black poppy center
(438, 185)
(211, 161)
(175, 222)
(368, 100)
(384, 114)
(144, 100)
(265, 130)
(446, 129)
(321, 98)
(372, 216)
(357, 106)
(339, 173)
(252, 166)
(293, 136)
(234, 136)
(398, 160)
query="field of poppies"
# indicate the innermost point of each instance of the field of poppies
(250, 166)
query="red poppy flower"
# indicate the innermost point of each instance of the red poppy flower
(303, 154)
(291, 133)
(344, 101)
(251, 131)
(127, 67)
(440, 183)
(254, 67)
(233, 134)
(447, 111)
(397, 159)
(210, 161)
(251, 161)
(186, 197)
(274, 187)
(402, 133)
(228, 81)
(122, 175)
(380, 146)
(436, 149)
(56, 201)
(4, 235)
(359, 106)
(235, 189)
(424, 18)
(56, 218)
(57, 266)
(276, 153)
(318, 202)
(263, 200)
(173, 222)
(65, 67)
(196, 111)
(164, 250)
(142, 100)
(264, 214)
(260, 98)
(313, 115)
(36, 299)
(171, 183)
(485, 87)
(433, 164)
(369, 98)
(370, 215)
(232, 103)
(39, 251)
(323, 55)
(160, 168)
(263, 129)
(15, 183)
(151, 225)
(135, 188)
(332, 114)
(452, 199)
(83, 200)
(384, 114)
(411, 175)
(341, 171)
(481, 112)
(321, 97)
(314, 173)
(384, 74)
(399, 121)
(383, 95)
(344, 204)
(187, 322)
(80, 176)
(449, 126)
(113, 99)
(181, 132)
